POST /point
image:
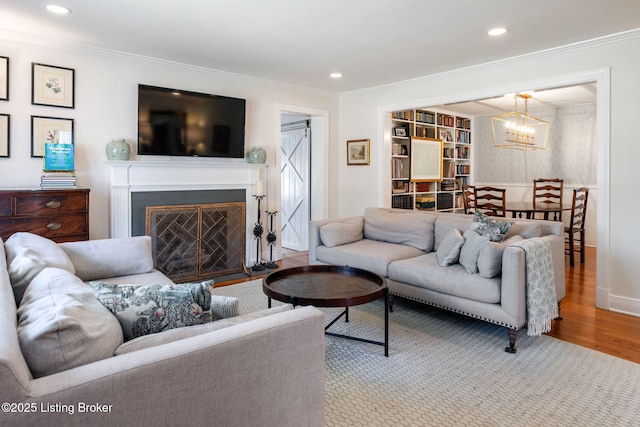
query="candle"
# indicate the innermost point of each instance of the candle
(260, 188)
(272, 208)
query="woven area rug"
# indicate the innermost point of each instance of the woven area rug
(449, 370)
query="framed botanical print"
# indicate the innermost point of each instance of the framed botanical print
(358, 152)
(52, 86)
(5, 134)
(49, 130)
(4, 78)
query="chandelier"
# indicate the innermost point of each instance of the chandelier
(519, 131)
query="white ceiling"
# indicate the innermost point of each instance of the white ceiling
(372, 42)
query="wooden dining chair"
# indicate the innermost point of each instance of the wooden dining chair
(576, 225)
(469, 198)
(491, 201)
(548, 190)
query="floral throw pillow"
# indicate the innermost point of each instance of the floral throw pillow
(149, 309)
(489, 227)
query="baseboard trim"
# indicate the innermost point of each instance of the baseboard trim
(624, 305)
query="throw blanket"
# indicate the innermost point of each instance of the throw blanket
(542, 304)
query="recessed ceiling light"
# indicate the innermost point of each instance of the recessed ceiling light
(335, 75)
(497, 31)
(58, 9)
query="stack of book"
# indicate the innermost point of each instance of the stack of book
(51, 179)
(59, 170)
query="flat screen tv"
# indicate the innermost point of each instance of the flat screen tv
(180, 123)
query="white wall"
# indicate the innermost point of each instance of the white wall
(106, 107)
(615, 58)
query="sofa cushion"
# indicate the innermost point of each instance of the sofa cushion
(470, 251)
(449, 250)
(27, 255)
(94, 259)
(341, 233)
(490, 258)
(424, 272)
(447, 222)
(61, 324)
(401, 227)
(367, 254)
(525, 229)
(488, 226)
(148, 309)
(172, 335)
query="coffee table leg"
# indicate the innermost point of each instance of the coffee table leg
(346, 314)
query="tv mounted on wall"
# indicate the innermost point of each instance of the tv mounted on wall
(180, 123)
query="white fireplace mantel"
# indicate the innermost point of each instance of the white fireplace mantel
(179, 175)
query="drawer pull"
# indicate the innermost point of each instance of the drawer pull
(53, 204)
(53, 226)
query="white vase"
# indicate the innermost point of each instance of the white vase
(118, 149)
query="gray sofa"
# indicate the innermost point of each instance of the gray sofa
(403, 245)
(57, 346)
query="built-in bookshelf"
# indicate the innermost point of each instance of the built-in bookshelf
(455, 132)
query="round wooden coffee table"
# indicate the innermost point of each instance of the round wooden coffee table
(330, 286)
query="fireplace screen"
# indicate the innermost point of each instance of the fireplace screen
(195, 242)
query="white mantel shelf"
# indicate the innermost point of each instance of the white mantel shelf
(128, 177)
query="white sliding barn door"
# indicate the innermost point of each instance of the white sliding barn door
(294, 173)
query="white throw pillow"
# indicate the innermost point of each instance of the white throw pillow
(449, 250)
(27, 255)
(341, 233)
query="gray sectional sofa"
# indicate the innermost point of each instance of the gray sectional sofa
(63, 360)
(485, 280)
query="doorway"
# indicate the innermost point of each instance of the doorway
(295, 178)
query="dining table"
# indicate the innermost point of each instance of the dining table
(529, 209)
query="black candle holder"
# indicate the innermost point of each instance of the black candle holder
(271, 240)
(257, 234)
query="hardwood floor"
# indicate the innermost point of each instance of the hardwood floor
(583, 324)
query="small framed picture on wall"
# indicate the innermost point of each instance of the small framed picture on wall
(4, 78)
(358, 152)
(52, 86)
(49, 130)
(5, 134)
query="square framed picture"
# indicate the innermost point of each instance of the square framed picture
(52, 86)
(358, 152)
(5, 134)
(426, 159)
(52, 130)
(446, 135)
(4, 78)
(400, 131)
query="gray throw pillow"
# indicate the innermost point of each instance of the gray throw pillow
(61, 324)
(490, 258)
(27, 255)
(470, 251)
(449, 250)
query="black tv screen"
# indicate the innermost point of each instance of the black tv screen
(180, 123)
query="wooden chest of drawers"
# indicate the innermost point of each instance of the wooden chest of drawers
(59, 215)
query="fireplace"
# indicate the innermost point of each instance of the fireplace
(137, 186)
